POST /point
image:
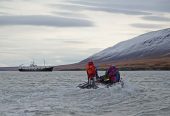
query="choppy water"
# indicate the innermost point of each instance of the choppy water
(146, 93)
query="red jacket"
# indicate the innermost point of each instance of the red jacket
(91, 70)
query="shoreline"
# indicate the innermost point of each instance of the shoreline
(100, 69)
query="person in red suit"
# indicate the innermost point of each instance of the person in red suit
(91, 73)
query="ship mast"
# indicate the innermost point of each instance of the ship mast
(44, 62)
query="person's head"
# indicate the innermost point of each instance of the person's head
(112, 67)
(90, 63)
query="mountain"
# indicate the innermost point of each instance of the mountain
(150, 51)
(149, 45)
(147, 51)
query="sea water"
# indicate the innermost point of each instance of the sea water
(145, 93)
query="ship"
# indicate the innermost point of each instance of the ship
(34, 68)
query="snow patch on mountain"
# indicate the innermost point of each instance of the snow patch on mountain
(156, 43)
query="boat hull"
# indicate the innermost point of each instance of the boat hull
(47, 69)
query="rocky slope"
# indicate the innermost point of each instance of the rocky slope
(147, 51)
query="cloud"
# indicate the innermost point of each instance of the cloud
(69, 14)
(147, 26)
(121, 11)
(156, 18)
(74, 42)
(7, 53)
(111, 6)
(68, 7)
(3, 13)
(44, 20)
(129, 5)
(6, 0)
(79, 7)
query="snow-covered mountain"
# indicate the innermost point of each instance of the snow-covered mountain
(150, 51)
(150, 45)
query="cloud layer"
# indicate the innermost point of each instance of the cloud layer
(128, 5)
(44, 20)
(156, 18)
(147, 26)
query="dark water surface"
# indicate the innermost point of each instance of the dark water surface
(146, 93)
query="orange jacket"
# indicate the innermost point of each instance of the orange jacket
(91, 70)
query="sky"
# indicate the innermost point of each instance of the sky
(68, 31)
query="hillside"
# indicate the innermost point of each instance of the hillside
(150, 45)
(146, 52)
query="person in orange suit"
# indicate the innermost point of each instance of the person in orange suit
(91, 73)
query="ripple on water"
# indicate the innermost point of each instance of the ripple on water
(146, 93)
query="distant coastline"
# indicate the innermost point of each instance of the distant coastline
(59, 68)
(126, 65)
(8, 68)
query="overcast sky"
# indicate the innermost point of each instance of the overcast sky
(67, 31)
